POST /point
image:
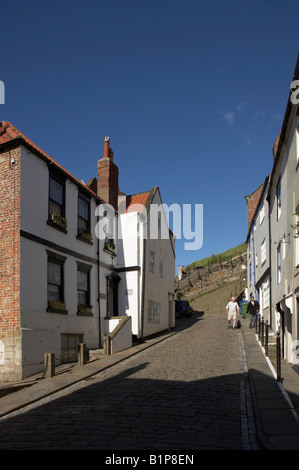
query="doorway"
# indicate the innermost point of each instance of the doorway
(112, 295)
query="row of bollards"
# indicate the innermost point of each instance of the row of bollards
(262, 330)
(49, 360)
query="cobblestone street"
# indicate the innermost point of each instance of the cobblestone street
(189, 392)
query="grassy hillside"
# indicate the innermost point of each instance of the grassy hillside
(223, 257)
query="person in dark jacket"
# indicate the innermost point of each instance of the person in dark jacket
(253, 308)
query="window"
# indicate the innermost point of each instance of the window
(70, 347)
(278, 198)
(262, 213)
(83, 288)
(84, 217)
(57, 202)
(256, 260)
(152, 262)
(83, 213)
(279, 263)
(266, 289)
(154, 313)
(55, 291)
(263, 251)
(56, 197)
(56, 281)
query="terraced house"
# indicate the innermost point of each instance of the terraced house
(60, 283)
(273, 235)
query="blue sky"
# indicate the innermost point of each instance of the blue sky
(191, 93)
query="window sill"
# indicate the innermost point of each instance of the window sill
(84, 314)
(57, 310)
(110, 247)
(85, 240)
(56, 226)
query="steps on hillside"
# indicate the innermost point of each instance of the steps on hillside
(213, 277)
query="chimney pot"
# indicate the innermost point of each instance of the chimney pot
(106, 147)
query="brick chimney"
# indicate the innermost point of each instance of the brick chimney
(252, 202)
(107, 177)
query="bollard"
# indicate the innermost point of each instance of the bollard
(81, 354)
(267, 339)
(278, 357)
(49, 365)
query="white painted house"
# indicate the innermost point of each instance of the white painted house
(258, 253)
(59, 281)
(283, 198)
(145, 263)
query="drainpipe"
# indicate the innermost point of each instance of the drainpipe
(270, 264)
(143, 286)
(99, 294)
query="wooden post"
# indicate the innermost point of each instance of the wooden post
(81, 354)
(49, 365)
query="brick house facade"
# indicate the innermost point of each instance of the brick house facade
(10, 324)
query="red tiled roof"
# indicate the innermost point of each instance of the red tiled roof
(8, 133)
(133, 203)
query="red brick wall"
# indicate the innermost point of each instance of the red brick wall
(252, 202)
(9, 242)
(108, 181)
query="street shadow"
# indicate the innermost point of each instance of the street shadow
(186, 322)
(131, 410)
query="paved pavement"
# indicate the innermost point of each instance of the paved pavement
(200, 387)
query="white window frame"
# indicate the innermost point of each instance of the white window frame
(262, 213)
(263, 251)
(266, 293)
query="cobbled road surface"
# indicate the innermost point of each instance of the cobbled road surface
(189, 392)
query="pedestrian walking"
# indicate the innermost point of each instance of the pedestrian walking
(253, 308)
(232, 310)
